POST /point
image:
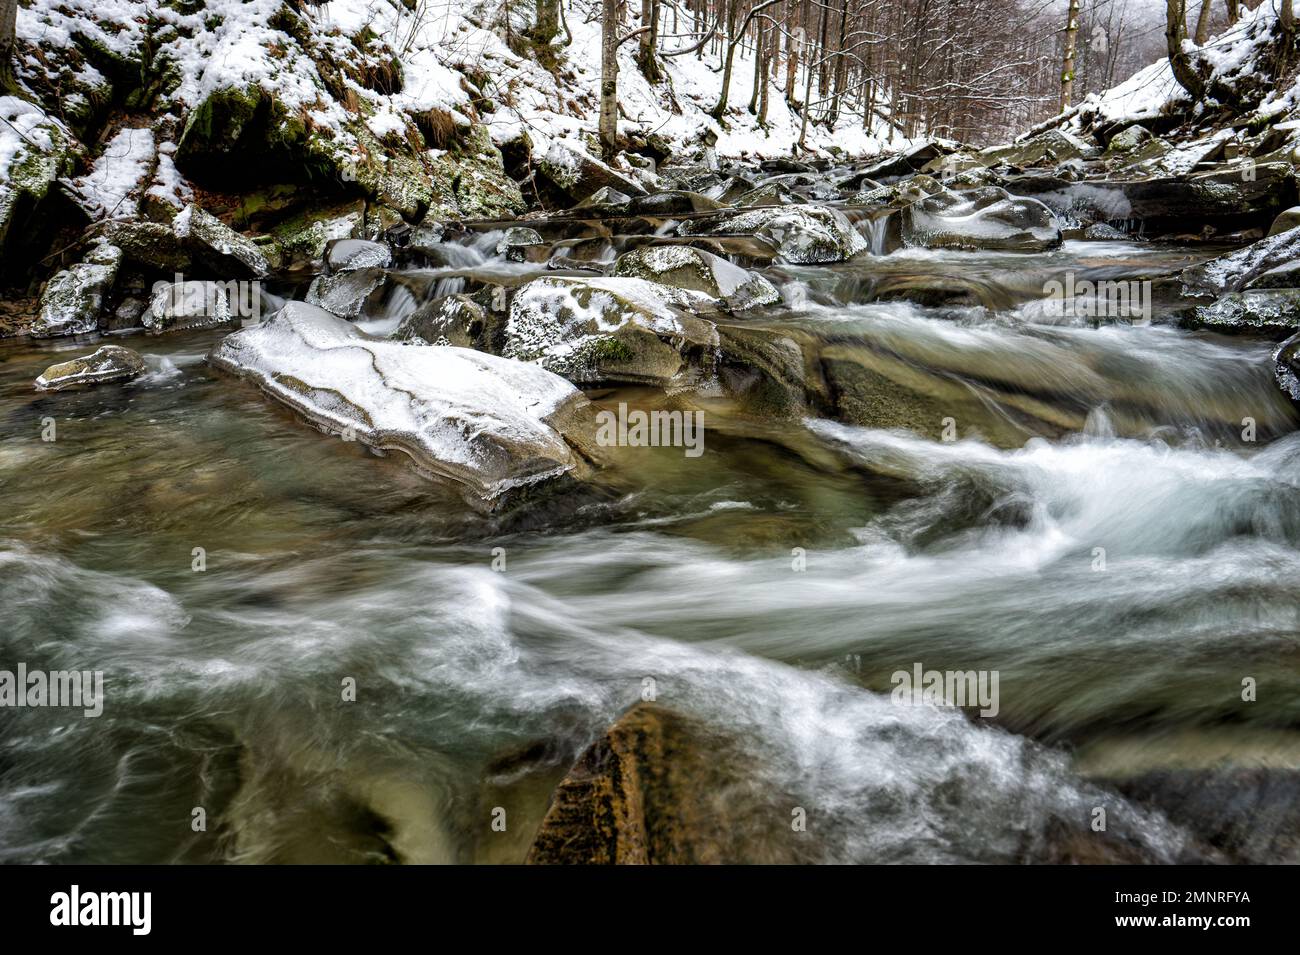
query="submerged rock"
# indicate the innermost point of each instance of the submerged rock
(109, 363)
(73, 299)
(683, 267)
(983, 218)
(609, 329)
(488, 423)
(801, 234)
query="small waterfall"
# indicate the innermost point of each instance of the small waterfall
(877, 233)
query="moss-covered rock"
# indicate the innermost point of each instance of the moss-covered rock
(475, 169)
(593, 330)
(109, 363)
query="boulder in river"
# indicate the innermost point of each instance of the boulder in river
(610, 330)
(176, 306)
(516, 242)
(109, 363)
(351, 255)
(1246, 267)
(646, 793)
(451, 320)
(983, 218)
(73, 299)
(683, 267)
(488, 423)
(348, 294)
(802, 234)
(1273, 312)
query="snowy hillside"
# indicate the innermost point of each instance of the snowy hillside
(1234, 63)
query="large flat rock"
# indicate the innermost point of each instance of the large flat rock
(490, 423)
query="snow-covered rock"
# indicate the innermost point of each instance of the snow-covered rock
(984, 218)
(579, 175)
(489, 423)
(349, 255)
(1274, 312)
(682, 267)
(610, 329)
(1236, 270)
(74, 298)
(801, 234)
(1286, 367)
(35, 151)
(109, 363)
(348, 294)
(176, 306)
(218, 246)
(451, 320)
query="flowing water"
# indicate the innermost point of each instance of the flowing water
(1102, 529)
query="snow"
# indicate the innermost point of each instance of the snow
(473, 417)
(453, 57)
(1230, 56)
(110, 188)
(21, 130)
(169, 185)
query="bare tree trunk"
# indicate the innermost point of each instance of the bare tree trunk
(769, 58)
(758, 66)
(1179, 61)
(841, 66)
(1286, 24)
(807, 99)
(609, 77)
(1067, 67)
(1234, 12)
(646, 55)
(548, 21)
(730, 57)
(1203, 24)
(793, 43)
(8, 32)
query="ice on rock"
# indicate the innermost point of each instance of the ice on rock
(489, 423)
